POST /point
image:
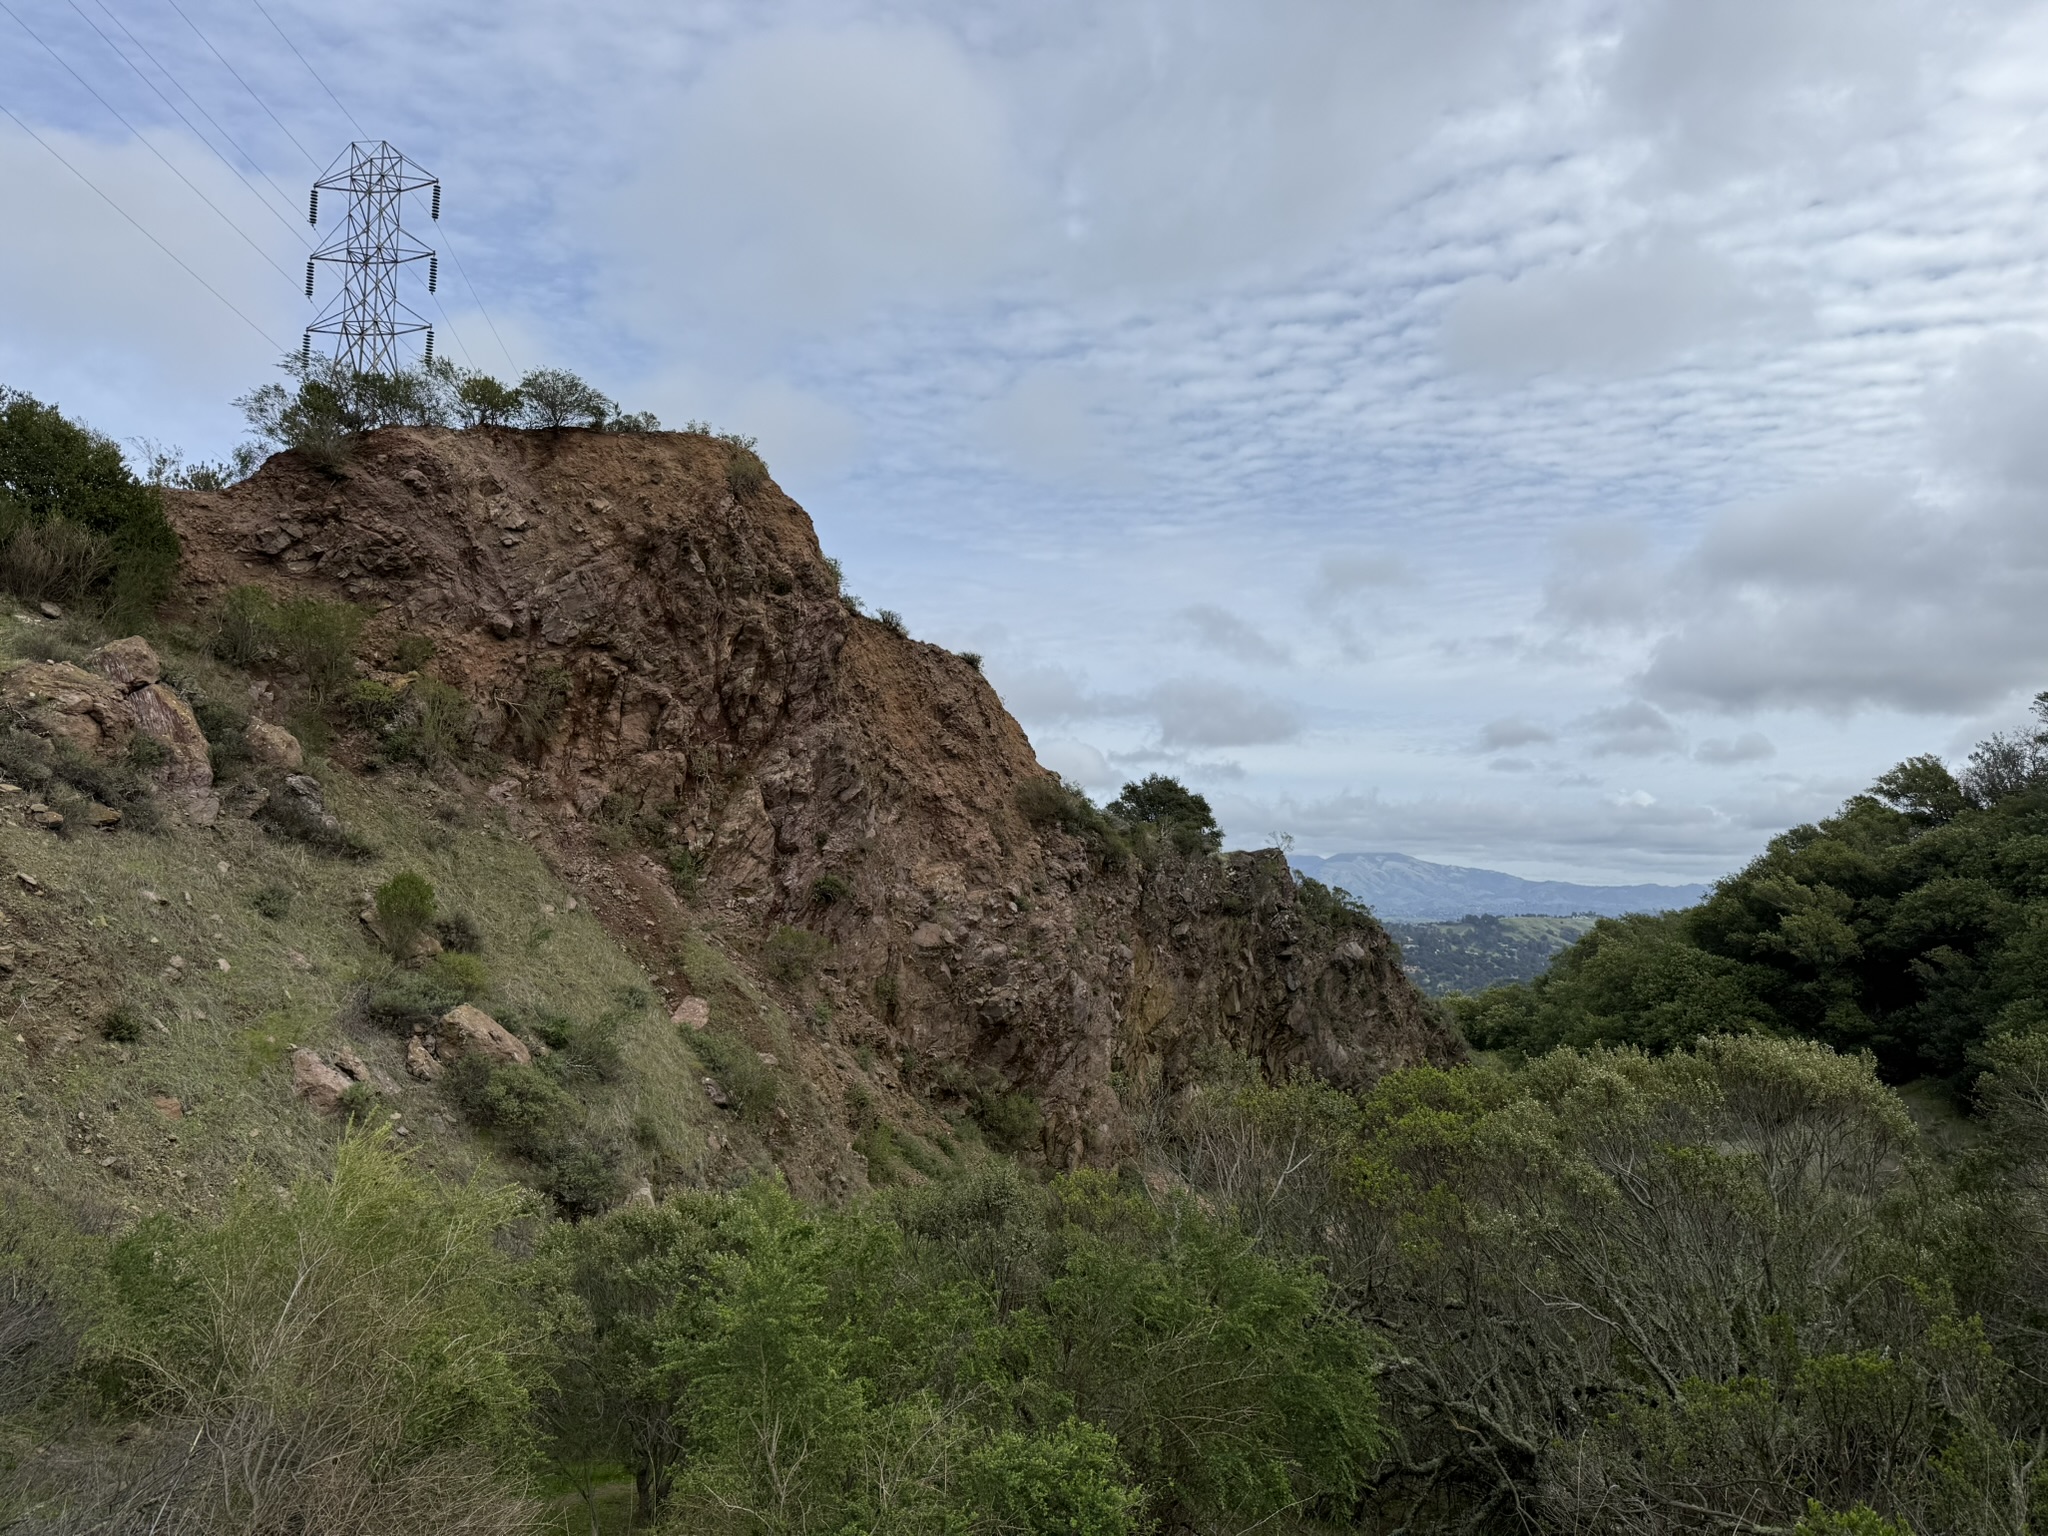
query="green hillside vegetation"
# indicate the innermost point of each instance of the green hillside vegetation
(1481, 951)
(1912, 924)
(1659, 1264)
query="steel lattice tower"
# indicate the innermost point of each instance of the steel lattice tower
(367, 317)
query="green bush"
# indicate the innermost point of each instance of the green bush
(405, 911)
(359, 1104)
(355, 1343)
(831, 890)
(892, 621)
(245, 627)
(317, 641)
(121, 1024)
(791, 954)
(411, 651)
(273, 902)
(75, 523)
(536, 715)
(463, 972)
(1169, 808)
(1055, 803)
(459, 933)
(411, 1002)
(1010, 1121)
(747, 1081)
(553, 398)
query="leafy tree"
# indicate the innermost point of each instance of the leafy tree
(74, 520)
(554, 398)
(1169, 807)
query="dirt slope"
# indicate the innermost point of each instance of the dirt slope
(661, 662)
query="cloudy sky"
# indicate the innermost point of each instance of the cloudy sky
(1577, 438)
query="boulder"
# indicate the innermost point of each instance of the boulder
(693, 1011)
(130, 662)
(419, 1061)
(274, 745)
(69, 705)
(313, 1080)
(466, 1028)
(186, 777)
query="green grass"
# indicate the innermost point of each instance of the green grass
(218, 1041)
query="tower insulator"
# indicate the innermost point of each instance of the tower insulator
(309, 277)
(313, 208)
(433, 272)
(437, 202)
(430, 345)
(306, 347)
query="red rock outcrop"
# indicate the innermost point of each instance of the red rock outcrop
(649, 648)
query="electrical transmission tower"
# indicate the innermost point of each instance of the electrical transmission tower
(367, 317)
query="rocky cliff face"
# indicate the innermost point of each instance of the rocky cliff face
(655, 654)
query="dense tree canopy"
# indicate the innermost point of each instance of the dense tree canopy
(1912, 924)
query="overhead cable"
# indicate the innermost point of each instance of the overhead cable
(96, 96)
(285, 199)
(291, 225)
(152, 239)
(245, 85)
(360, 132)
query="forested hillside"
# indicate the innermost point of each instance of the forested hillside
(1481, 951)
(1912, 924)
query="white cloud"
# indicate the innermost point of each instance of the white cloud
(1749, 747)
(1634, 729)
(1639, 305)
(1222, 631)
(1196, 712)
(1499, 735)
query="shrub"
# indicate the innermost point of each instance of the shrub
(317, 640)
(830, 890)
(745, 470)
(892, 621)
(532, 719)
(273, 902)
(793, 953)
(482, 401)
(410, 1002)
(1171, 809)
(1054, 802)
(972, 658)
(298, 819)
(74, 520)
(405, 910)
(245, 627)
(686, 869)
(122, 1024)
(410, 652)
(358, 1103)
(553, 398)
(1010, 1121)
(353, 1345)
(465, 973)
(458, 932)
(749, 1083)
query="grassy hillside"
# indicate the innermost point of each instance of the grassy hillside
(1481, 951)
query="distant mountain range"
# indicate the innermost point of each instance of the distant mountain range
(1401, 889)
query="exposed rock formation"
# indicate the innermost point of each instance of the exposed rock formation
(658, 654)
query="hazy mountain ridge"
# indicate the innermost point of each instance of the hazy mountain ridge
(1404, 889)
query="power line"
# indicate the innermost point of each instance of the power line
(360, 132)
(285, 199)
(245, 85)
(291, 227)
(96, 96)
(480, 306)
(152, 239)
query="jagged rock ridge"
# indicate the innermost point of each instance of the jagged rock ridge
(645, 646)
